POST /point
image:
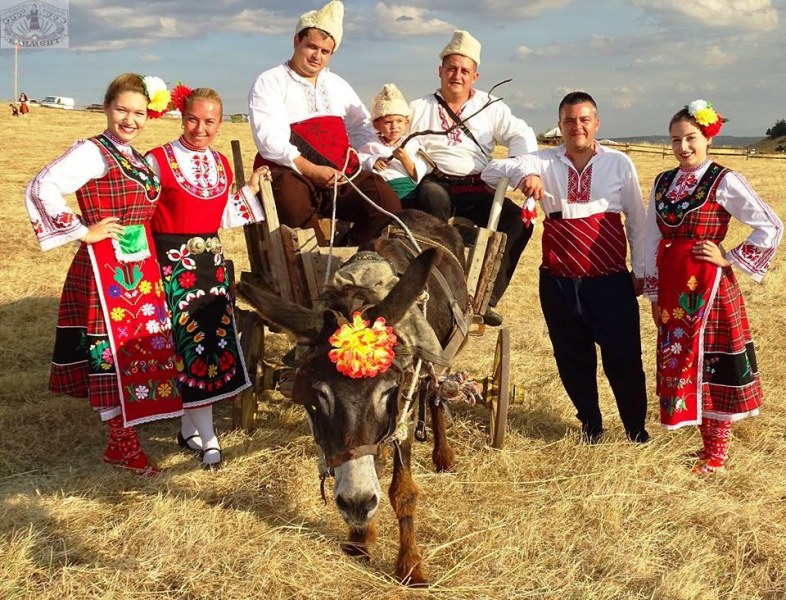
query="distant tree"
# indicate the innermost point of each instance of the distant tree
(777, 130)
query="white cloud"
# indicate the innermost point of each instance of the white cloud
(759, 15)
(509, 10)
(259, 21)
(715, 57)
(401, 21)
(553, 50)
(625, 96)
(523, 100)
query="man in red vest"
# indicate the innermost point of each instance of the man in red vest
(306, 121)
(587, 294)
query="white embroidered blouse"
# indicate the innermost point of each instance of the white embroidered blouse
(280, 97)
(456, 153)
(608, 184)
(57, 223)
(201, 177)
(735, 195)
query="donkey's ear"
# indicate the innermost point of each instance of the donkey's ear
(407, 290)
(305, 323)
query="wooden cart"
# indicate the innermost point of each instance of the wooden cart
(290, 262)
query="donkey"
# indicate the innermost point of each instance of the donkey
(351, 417)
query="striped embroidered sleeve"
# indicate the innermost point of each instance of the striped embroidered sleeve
(753, 256)
(635, 216)
(54, 221)
(516, 169)
(652, 237)
(243, 208)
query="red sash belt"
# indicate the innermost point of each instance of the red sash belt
(686, 291)
(323, 141)
(585, 247)
(140, 336)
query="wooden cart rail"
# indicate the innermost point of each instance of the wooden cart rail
(290, 262)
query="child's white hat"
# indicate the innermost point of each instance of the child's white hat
(462, 43)
(329, 18)
(389, 101)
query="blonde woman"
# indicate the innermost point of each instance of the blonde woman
(197, 200)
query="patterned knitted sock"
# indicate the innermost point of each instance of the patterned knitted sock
(716, 446)
(720, 436)
(704, 452)
(124, 450)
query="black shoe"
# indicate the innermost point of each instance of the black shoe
(591, 435)
(639, 437)
(215, 466)
(492, 318)
(183, 443)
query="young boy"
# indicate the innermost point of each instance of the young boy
(401, 167)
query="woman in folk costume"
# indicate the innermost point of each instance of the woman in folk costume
(114, 341)
(706, 366)
(196, 199)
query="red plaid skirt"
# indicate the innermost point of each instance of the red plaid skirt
(133, 366)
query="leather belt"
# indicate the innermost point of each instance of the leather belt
(198, 245)
(458, 180)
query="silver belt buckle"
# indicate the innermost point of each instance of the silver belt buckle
(196, 245)
(213, 244)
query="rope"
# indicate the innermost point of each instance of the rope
(367, 199)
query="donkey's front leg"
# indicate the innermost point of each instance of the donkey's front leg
(403, 495)
(443, 456)
(360, 540)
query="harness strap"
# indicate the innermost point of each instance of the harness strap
(458, 313)
(351, 454)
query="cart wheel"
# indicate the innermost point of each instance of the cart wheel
(499, 390)
(252, 344)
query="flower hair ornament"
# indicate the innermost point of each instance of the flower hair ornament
(362, 351)
(158, 96)
(710, 122)
(180, 93)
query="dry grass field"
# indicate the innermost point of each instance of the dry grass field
(543, 518)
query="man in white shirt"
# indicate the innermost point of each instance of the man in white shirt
(587, 295)
(454, 187)
(306, 121)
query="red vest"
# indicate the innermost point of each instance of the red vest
(184, 208)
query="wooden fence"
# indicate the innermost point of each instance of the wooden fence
(665, 151)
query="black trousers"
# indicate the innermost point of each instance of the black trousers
(582, 312)
(434, 198)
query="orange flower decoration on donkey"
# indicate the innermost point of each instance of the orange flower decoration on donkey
(363, 351)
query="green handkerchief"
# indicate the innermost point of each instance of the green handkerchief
(132, 245)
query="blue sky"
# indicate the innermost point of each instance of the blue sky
(641, 59)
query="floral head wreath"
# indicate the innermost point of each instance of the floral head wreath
(180, 93)
(710, 122)
(362, 351)
(158, 96)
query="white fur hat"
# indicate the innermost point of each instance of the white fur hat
(329, 18)
(463, 43)
(389, 101)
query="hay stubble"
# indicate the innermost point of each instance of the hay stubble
(544, 518)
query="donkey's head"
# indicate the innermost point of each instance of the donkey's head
(350, 415)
